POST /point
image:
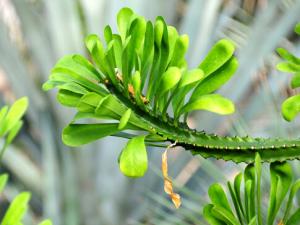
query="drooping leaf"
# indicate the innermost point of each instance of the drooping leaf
(211, 102)
(219, 54)
(79, 134)
(291, 107)
(133, 158)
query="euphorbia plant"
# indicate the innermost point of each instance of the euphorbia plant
(138, 86)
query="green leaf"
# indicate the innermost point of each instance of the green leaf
(291, 107)
(252, 221)
(179, 51)
(168, 80)
(13, 132)
(209, 217)
(108, 35)
(219, 54)
(218, 197)
(235, 202)
(96, 49)
(216, 79)
(212, 102)
(295, 188)
(123, 20)
(148, 51)
(224, 215)
(14, 114)
(46, 222)
(297, 28)
(237, 189)
(285, 54)
(79, 134)
(295, 218)
(133, 159)
(136, 83)
(191, 76)
(68, 98)
(258, 188)
(249, 180)
(295, 82)
(288, 67)
(281, 178)
(89, 102)
(17, 209)
(3, 181)
(124, 119)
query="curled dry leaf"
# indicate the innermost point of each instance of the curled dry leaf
(168, 185)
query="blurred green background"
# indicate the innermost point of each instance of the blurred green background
(84, 186)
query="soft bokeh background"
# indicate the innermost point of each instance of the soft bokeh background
(84, 186)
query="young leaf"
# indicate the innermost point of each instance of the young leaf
(216, 79)
(212, 102)
(220, 53)
(79, 134)
(168, 80)
(17, 209)
(179, 51)
(291, 107)
(190, 77)
(133, 158)
(108, 35)
(123, 20)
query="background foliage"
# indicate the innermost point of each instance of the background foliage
(85, 187)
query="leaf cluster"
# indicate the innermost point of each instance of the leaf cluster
(247, 209)
(139, 71)
(291, 106)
